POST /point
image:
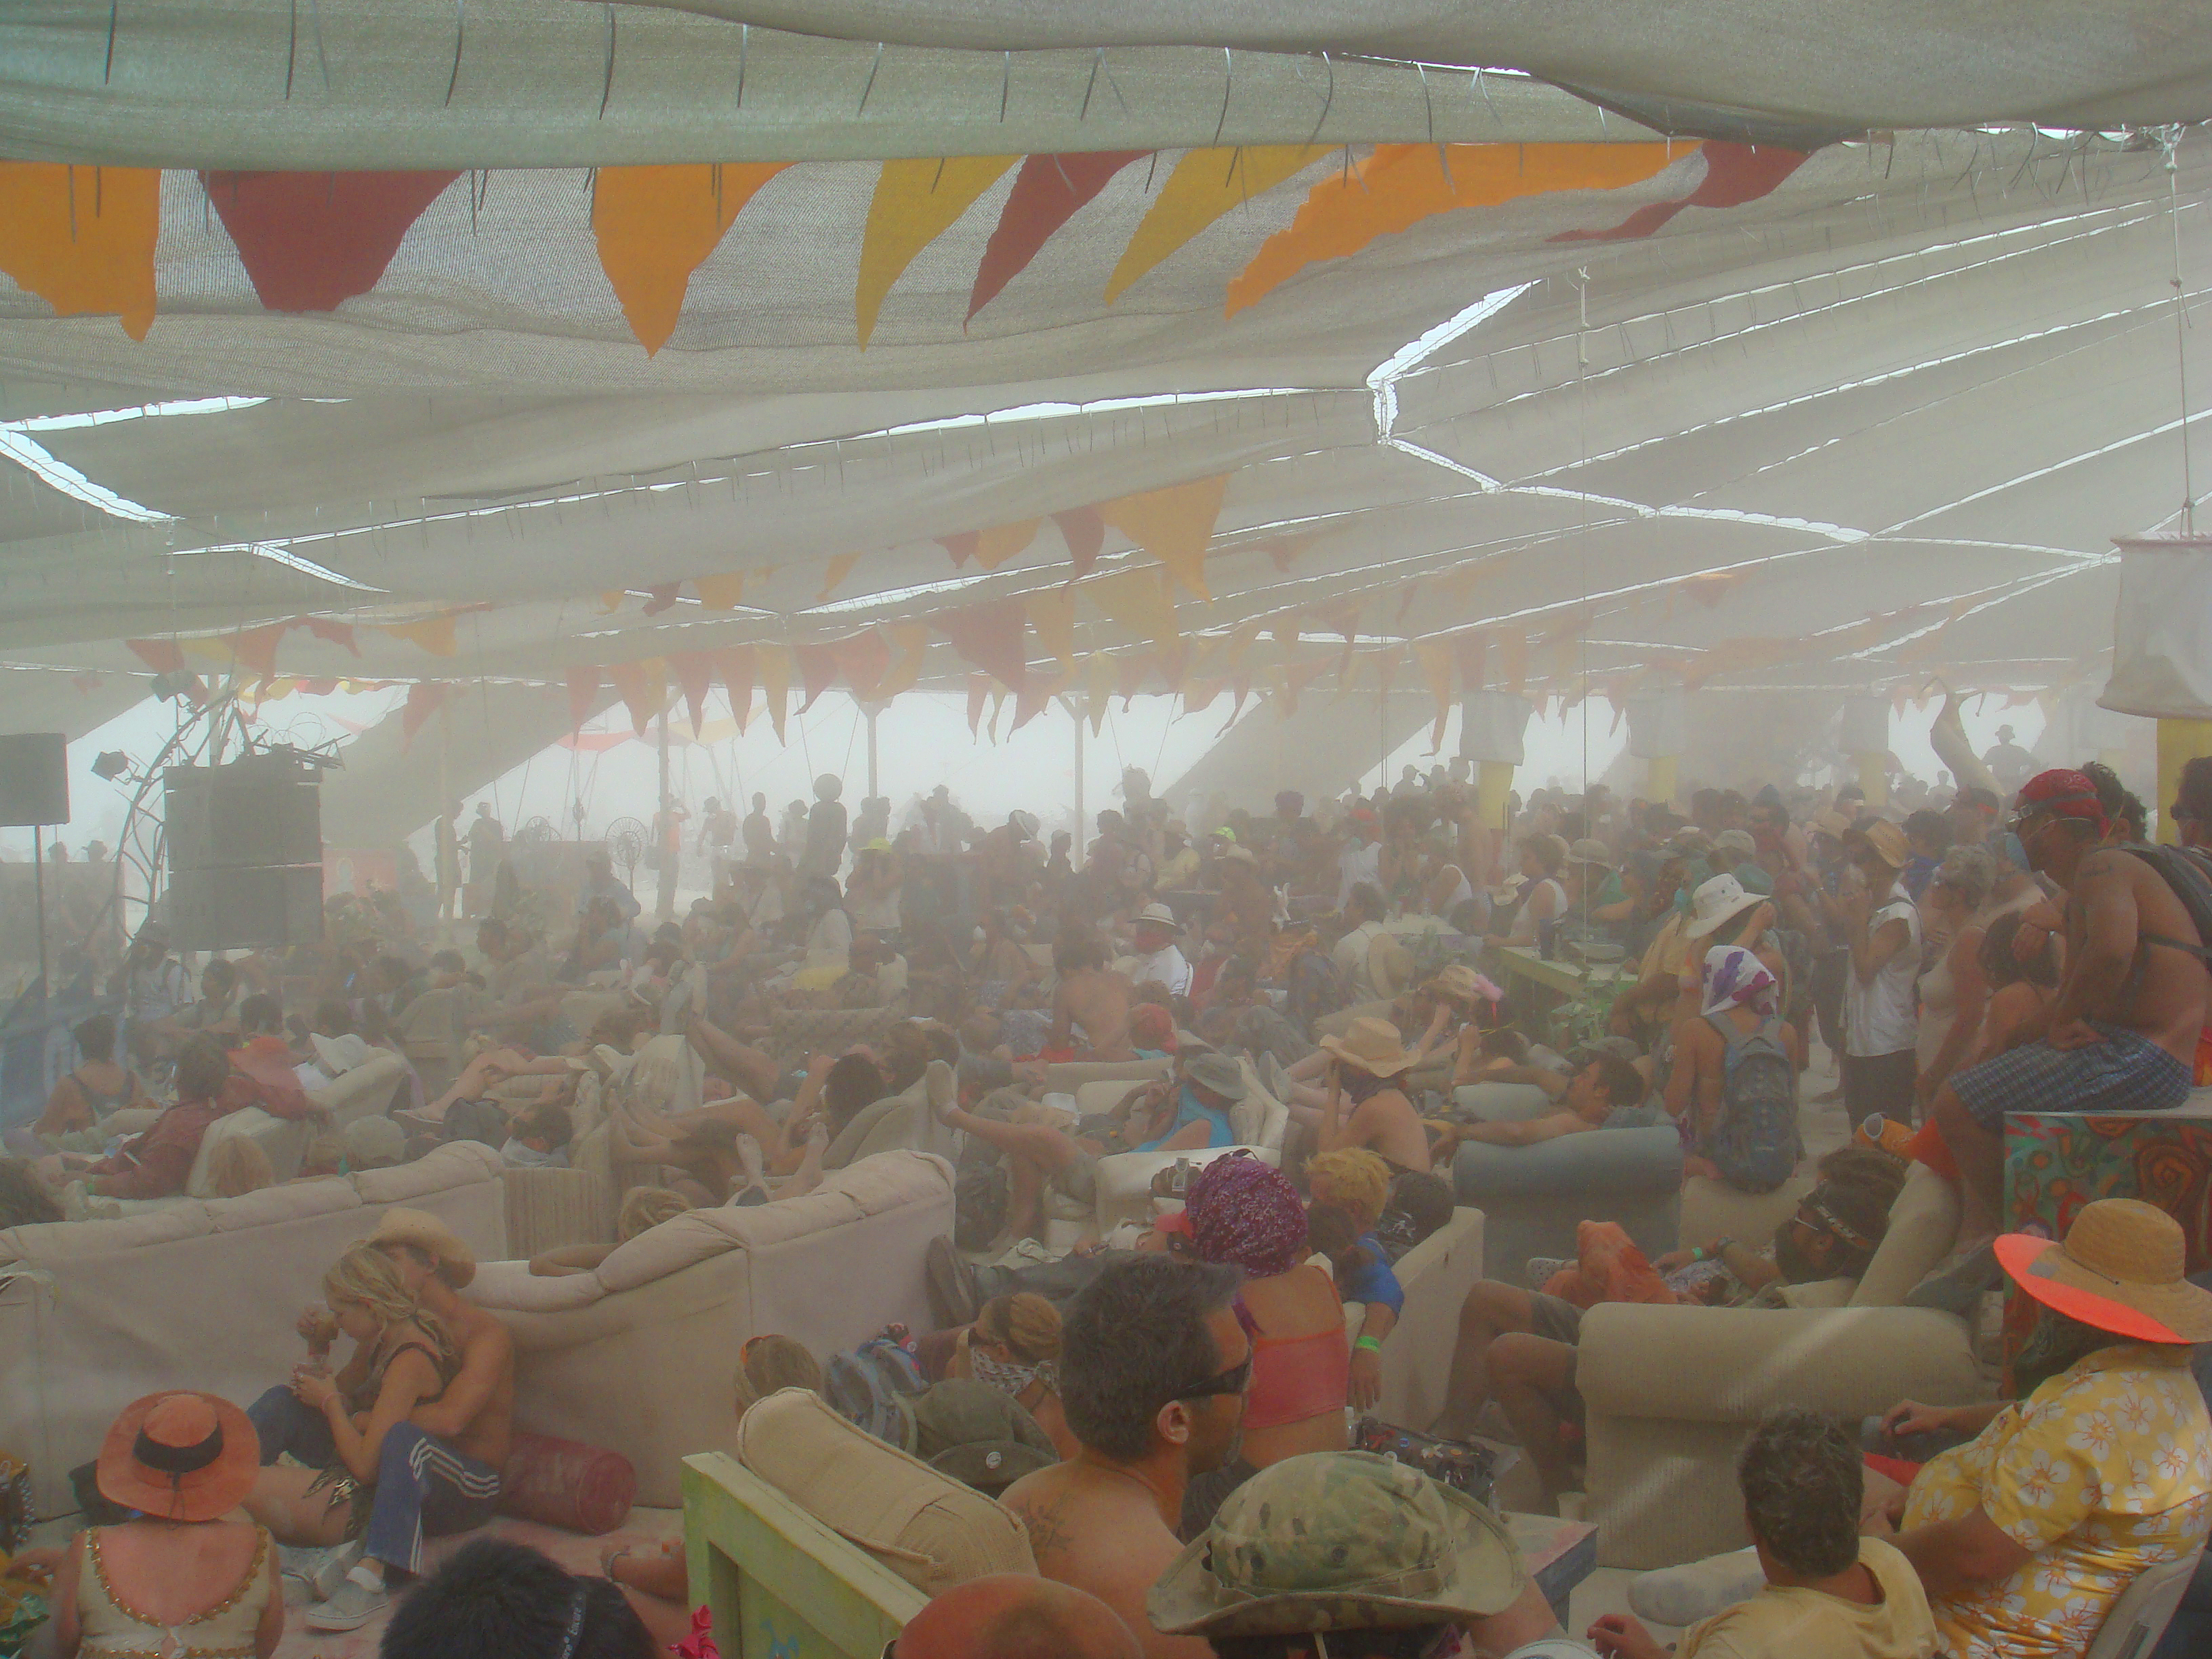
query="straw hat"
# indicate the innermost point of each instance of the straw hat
(1833, 822)
(1339, 1541)
(1590, 851)
(1460, 983)
(1215, 1074)
(457, 1262)
(1371, 1045)
(1716, 900)
(2120, 1269)
(1160, 916)
(1889, 843)
(180, 1456)
(1390, 964)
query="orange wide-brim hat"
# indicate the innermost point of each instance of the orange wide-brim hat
(179, 1455)
(2120, 1269)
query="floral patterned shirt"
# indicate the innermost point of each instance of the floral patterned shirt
(2104, 1470)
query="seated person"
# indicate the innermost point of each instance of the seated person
(1363, 1070)
(1587, 1100)
(1187, 1113)
(95, 1087)
(216, 1011)
(493, 1595)
(876, 978)
(24, 1199)
(157, 1162)
(2027, 1534)
(1732, 1089)
(1503, 1055)
(1520, 1344)
(538, 1137)
(643, 1208)
(1829, 1592)
(1090, 999)
(1014, 1347)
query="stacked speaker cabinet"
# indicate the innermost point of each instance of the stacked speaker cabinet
(244, 847)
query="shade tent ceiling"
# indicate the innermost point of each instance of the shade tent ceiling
(1560, 402)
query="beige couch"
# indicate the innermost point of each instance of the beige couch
(1671, 1392)
(640, 1354)
(93, 1314)
(1436, 1275)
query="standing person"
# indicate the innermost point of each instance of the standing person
(1362, 858)
(1733, 1087)
(825, 829)
(1154, 1365)
(718, 830)
(2122, 1033)
(448, 837)
(791, 840)
(180, 1575)
(487, 842)
(1954, 991)
(1882, 1021)
(759, 833)
(155, 987)
(2011, 764)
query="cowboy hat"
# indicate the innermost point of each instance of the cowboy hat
(2118, 1269)
(1339, 1541)
(1461, 983)
(180, 1456)
(1589, 850)
(1716, 900)
(1215, 1074)
(1371, 1045)
(339, 1054)
(1887, 843)
(1390, 964)
(457, 1262)
(1833, 823)
(1160, 916)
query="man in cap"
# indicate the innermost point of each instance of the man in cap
(1009, 1616)
(1828, 1592)
(2121, 1034)
(1158, 959)
(1736, 853)
(2027, 1534)
(1881, 1015)
(1153, 1368)
(440, 1471)
(2011, 765)
(1352, 1556)
(600, 883)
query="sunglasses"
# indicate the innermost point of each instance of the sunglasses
(1232, 1381)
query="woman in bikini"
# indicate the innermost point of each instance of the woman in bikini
(77, 1110)
(404, 1356)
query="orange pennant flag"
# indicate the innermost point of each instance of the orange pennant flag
(1173, 525)
(917, 199)
(737, 670)
(996, 546)
(979, 689)
(424, 699)
(1436, 660)
(583, 687)
(1204, 185)
(81, 238)
(725, 592)
(775, 664)
(1098, 674)
(643, 689)
(1397, 186)
(1138, 600)
(1052, 614)
(656, 225)
(839, 568)
(912, 641)
(1513, 657)
(433, 633)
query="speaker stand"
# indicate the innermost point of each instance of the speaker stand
(39, 888)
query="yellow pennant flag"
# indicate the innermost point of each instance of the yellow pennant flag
(1436, 659)
(1099, 673)
(912, 641)
(656, 225)
(1173, 525)
(81, 238)
(724, 592)
(1138, 600)
(1204, 185)
(1052, 614)
(840, 568)
(996, 546)
(774, 662)
(917, 200)
(433, 633)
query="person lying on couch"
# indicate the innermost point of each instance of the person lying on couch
(1586, 1101)
(2027, 1534)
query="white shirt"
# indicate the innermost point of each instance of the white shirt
(1350, 955)
(875, 915)
(1882, 1017)
(1361, 861)
(1168, 966)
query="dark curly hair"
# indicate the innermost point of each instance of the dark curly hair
(1135, 1337)
(1802, 1485)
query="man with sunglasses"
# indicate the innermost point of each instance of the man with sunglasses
(1154, 1363)
(2121, 1034)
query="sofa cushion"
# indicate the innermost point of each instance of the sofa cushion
(889, 1180)
(163, 1223)
(1573, 1166)
(1924, 1226)
(284, 1140)
(291, 1202)
(511, 1287)
(1502, 1102)
(369, 1087)
(456, 1164)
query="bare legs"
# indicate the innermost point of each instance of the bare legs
(1035, 1153)
(1528, 1373)
(1980, 1156)
(280, 1501)
(745, 1066)
(1492, 1310)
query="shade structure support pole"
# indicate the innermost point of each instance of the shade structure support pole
(873, 789)
(671, 845)
(1493, 787)
(1080, 819)
(1659, 779)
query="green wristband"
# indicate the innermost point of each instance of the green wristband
(1372, 1344)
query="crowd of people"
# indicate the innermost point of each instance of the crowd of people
(1174, 1411)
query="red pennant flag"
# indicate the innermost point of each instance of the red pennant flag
(1735, 175)
(990, 636)
(662, 597)
(817, 671)
(961, 544)
(336, 632)
(424, 699)
(737, 668)
(1047, 192)
(864, 661)
(162, 656)
(318, 687)
(642, 689)
(310, 240)
(695, 673)
(1084, 529)
(256, 648)
(1029, 701)
(583, 685)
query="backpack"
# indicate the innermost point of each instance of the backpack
(2188, 875)
(867, 1385)
(1755, 1140)
(1419, 1206)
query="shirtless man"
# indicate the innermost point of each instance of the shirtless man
(2121, 1034)
(1092, 996)
(440, 1470)
(1153, 1369)
(1367, 1074)
(1586, 1102)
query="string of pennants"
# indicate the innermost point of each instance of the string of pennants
(83, 237)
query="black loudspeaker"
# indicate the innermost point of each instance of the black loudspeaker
(263, 809)
(34, 778)
(244, 845)
(236, 909)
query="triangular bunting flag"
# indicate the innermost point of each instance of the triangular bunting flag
(311, 240)
(917, 200)
(583, 686)
(1204, 185)
(1173, 525)
(81, 238)
(656, 225)
(1085, 532)
(775, 664)
(1047, 192)
(694, 673)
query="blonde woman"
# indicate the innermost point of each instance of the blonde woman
(404, 1356)
(1014, 1346)
(643, 1208)
(237, 1166)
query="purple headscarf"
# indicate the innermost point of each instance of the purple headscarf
(1736, 978)
(1246, 1213)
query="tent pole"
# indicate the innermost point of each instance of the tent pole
(1079, 778)
(668, 854)
(872, 790)
(38, 883)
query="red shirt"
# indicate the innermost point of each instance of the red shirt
(156, 1163)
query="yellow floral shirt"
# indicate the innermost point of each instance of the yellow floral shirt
(2104, 1470)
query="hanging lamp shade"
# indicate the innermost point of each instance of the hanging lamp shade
(2162, 627)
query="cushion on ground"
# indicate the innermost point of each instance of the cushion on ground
(1923, 1228)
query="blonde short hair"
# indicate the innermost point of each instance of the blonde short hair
(644, 1208)
(1026, 1323)
(771, 1362)
(236, 1166)
(1358, 1179)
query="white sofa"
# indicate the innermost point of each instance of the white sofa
(641, 1354)
(93, 1314)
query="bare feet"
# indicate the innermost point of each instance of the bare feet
(809, 1163)
(943, 1093)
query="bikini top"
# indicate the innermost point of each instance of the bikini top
(364, 1398)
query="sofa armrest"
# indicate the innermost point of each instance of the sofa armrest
(547, 1209)
(1436, 1275)
(1572, 1166)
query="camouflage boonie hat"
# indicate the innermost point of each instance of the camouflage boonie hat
(1338, 1541)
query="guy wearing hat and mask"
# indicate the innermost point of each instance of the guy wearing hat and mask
(1157, 958)
(1352, 1556)
(2027, 1534)
(600, 883)
(2121, 1034)
(1882, 1012)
